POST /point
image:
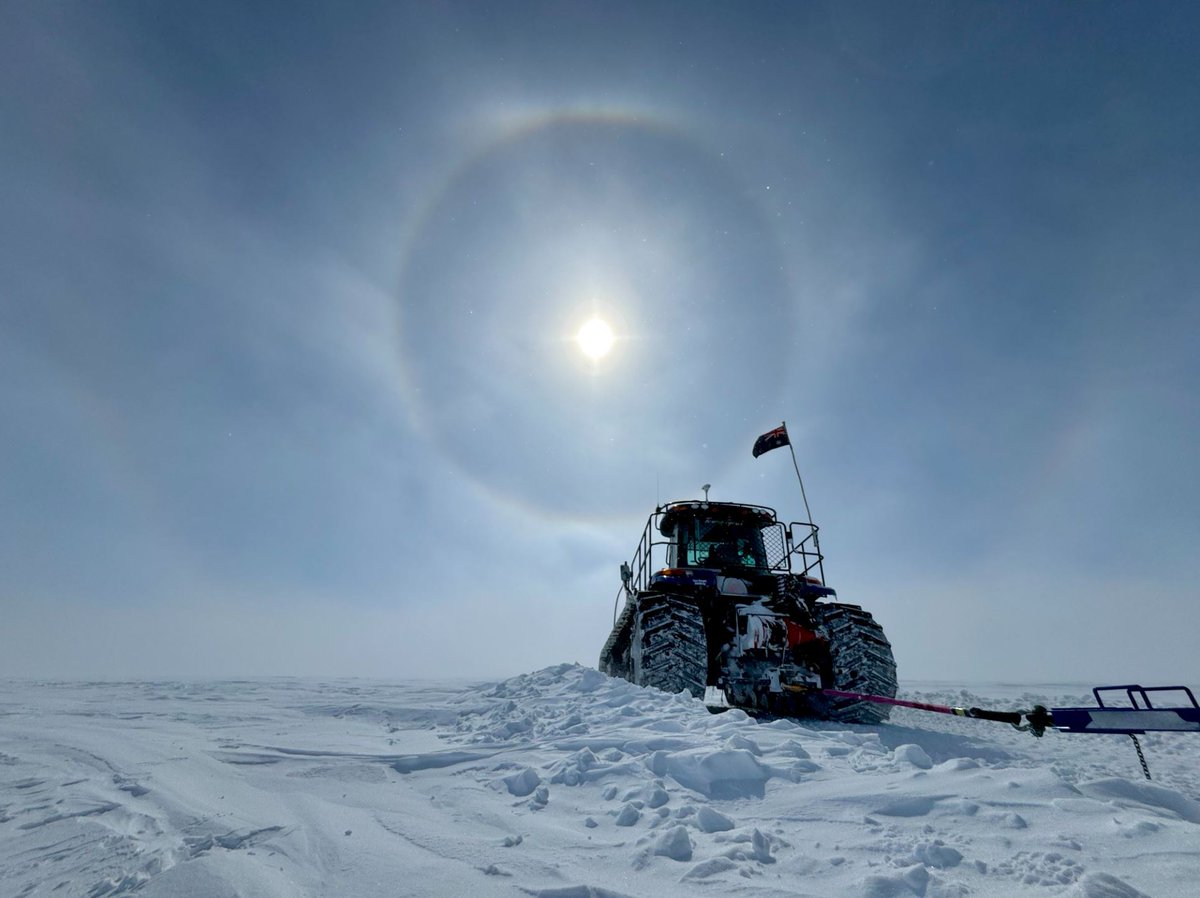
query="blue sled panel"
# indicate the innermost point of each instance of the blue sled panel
(1126, 720)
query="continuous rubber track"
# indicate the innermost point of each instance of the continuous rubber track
(670, 651)
(862, 662)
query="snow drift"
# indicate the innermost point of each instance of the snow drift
(564, 783)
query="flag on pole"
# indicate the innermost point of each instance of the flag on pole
(772, 439)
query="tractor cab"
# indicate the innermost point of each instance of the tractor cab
(702, 545)
(717, 536)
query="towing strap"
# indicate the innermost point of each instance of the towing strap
(1137, 717)
(1038, 717)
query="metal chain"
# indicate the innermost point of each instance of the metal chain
(1141, 757)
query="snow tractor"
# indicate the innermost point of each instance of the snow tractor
(726, 602)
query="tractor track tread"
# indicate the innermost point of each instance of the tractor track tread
(862, 662)
(672, 647)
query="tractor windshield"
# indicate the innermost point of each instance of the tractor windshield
(721, 544)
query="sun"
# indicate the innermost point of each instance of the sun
(595, 338)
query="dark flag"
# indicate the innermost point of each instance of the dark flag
(772, 439)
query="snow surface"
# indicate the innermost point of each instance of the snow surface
(565, 783)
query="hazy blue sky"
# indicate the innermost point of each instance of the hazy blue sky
(288, 291)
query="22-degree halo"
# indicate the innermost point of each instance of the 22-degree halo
(502, 258)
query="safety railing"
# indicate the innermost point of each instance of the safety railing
(794, 548)
(806, 550)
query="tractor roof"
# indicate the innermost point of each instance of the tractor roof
(673, 512)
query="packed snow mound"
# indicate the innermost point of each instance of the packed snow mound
(1102, 885)
(565, 783)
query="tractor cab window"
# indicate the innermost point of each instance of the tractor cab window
(721, 544)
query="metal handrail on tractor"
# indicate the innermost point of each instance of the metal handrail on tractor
(635, 575)
(810, 556)
(639, 567)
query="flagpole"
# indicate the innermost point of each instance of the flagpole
(796, 465)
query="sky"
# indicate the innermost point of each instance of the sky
(288, 298)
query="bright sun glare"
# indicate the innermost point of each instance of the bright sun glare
(595, 338)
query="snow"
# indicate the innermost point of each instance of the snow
(564, 783)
